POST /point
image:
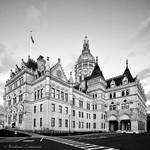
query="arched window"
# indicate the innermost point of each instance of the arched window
(125, 104)
(112, 106)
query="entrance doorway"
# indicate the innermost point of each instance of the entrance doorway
(113, 125)
(125, 125)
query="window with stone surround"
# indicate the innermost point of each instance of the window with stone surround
(73, 112)
(60, 122)
(40, 122)
(73, 124)
(94, 116)
(35, 95)
(20, 118)
(20, 97)
(66, 97)
(53, 93)
(60, 108)
(73, 101)
(80, 104)
(62, 95)
(66, 123)
(66, 110)
(57, 94)
(42, 93)
(94, 125)
(41, 107)
(34, 122)
(34, 109)
(52, 122)
(53, 107)
(88, 106)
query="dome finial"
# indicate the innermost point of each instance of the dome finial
(126, 63)
(85, 38)
(96, 59)
(86, 43)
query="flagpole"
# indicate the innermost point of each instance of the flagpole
(30, 43)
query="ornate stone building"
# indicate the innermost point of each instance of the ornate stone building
(39, 96)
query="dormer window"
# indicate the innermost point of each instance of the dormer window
(125, 80)
(112, 84)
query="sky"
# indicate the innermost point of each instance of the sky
(117, 30)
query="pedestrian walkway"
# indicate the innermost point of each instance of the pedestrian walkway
(11, 139)
(77, 144)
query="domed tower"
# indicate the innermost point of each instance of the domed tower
(85, 63)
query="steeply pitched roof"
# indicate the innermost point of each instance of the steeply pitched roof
(118, 79)
(96, 73)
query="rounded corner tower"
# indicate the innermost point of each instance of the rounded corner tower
(85, 63)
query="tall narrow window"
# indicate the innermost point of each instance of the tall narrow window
(73, 101)
(88, 106)
(66, 97)
(73, 124)
(53, 107)
(40, 122)
(58, 94)
(60, 109)
(20, 118)
(14, 100)
(82, 114)
(127, 92)
(66, 123)
(114, 95)
(73, 112)
(52, 122)
(60, 122)
(38, 96)
(95, 106)
(41, 93)
(94, 116)
(62, 95)
(41, 107)
(34, 109)
(53, 93)
(80, 104)
(94, 125)
(66, 108)
(35, 95)
(110, 96)
(123, 93)
(34, 124)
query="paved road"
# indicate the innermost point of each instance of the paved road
(45, 142)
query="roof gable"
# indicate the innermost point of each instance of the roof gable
(58, 72)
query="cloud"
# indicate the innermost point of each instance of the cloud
(144, 74)
(7, 59)
(139, 42)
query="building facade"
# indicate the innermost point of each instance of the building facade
(39, 96)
